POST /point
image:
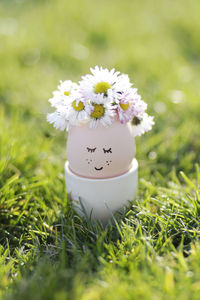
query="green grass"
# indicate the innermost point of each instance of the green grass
(152, 249)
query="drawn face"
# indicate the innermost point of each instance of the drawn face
(102, 152)
(107, 163)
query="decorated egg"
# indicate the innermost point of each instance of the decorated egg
(102, 152)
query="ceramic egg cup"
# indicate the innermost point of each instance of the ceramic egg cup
(99, 198)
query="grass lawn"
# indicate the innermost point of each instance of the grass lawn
(152, 250)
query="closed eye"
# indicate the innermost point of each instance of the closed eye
(91, 149)
(107, 151)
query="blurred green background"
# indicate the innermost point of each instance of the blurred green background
(43, 41)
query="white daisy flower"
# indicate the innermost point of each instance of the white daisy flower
(67, 86)
(99, 82)
(121, 86)
(142, 124)
(78, 110)
(58, 118)
(65, 89)
(102, 111)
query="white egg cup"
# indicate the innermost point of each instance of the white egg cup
(98, 198)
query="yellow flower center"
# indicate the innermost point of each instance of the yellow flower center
(124, 106)
(101, 88)
(78, 107)
(66, 93)
(98, 111)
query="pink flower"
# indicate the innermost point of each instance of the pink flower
(128, 105)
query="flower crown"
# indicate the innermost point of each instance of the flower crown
(100, 97)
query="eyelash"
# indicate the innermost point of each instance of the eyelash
(107, 151)
(91, 150)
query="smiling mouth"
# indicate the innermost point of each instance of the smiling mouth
(99, 169)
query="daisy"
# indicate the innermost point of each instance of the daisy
(103, 82)
(124, 108)
(142, 124)
(79, 109)
(58, 118)
(67, 86)
(102, 111)
(128, 104)
(65, 89)
(121, 86)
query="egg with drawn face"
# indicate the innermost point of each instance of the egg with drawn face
(101, 152)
